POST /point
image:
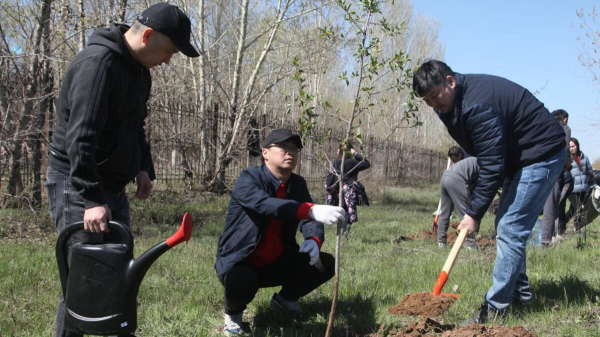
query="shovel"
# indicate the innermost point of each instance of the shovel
(441, 280)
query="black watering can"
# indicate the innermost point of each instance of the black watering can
(101, 284)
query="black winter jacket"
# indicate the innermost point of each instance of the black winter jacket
(253, 203)
(352, 166)
(99, 138)
(504, 126)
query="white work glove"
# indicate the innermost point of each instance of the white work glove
(328, 215)
(310, 247)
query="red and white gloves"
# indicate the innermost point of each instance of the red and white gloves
(326, 214)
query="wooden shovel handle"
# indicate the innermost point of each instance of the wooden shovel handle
(452, 256)
(443, 277)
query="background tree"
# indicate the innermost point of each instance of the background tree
(380, 70)
(200, 108)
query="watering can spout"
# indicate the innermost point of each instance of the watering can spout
(139, 267)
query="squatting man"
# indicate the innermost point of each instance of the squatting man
(258, 248)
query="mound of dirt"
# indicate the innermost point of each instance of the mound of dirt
(481, 330)
(422, 304)
(483, 242)
(424, 235)
(431, 327)
(416, 329)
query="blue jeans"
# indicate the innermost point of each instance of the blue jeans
(66, 207)
(521, 202)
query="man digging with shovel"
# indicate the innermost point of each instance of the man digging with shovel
(258, 248)
(518, 145)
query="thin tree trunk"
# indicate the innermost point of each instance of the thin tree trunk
(200, 90)
(217, 183)
(122, 10)
(15, 183)
(341, 179)
(209, 140)
(41, 117)
(236, 115)
(111, 12)
(81, 26)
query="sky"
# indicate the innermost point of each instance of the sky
(532, 43)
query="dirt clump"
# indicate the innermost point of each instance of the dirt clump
(431, 327)
(422, 304)
(424, 235)
(481, 330)
(484, 242)
(427, 326)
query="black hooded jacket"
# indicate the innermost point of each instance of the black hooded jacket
(504, 126)
(99, 138)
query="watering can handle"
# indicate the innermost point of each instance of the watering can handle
(62, 253)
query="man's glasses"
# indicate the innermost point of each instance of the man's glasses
(287, 148)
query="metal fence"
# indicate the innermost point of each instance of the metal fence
(391, 162)
(179, 157)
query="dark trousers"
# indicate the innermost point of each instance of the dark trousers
(555, 219)
(66, 207)
(575, 209)
(292, 271)
(454, 194)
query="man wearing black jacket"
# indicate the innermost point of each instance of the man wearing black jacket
(99, 143)
(258, 248)
(519, 146)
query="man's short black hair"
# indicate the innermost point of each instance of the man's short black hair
(454, 151)
(430, 74)
(560, 114)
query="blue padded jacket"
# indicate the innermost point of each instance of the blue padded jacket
(504, 126)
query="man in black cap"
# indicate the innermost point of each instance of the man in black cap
(99, 143)
(258, 248)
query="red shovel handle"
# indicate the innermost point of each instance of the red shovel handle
(183, 234)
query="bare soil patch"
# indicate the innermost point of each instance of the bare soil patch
(481, 330)
(427, 235)
(422, 304)
(431, 327)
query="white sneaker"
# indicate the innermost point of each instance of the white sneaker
(280, 304)
(235, 325)
(442, 245)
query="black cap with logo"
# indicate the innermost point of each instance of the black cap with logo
(172, 22)
(281, 135)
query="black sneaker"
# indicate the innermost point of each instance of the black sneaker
(484, 315)
(522, 303)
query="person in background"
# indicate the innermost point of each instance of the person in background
(563, 118)
(582, 176)
(455, 190)
(455, 153)
(99, 144)
(554, 219)
(353, 191)
(518, 145)
(257, 249)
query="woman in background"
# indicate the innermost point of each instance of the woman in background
(354, 192)
(581, 171)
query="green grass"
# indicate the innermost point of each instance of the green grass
(181, 296)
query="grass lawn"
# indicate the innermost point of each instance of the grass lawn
(181, 296)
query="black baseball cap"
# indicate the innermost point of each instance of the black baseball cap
(172, 22)
(281, 135)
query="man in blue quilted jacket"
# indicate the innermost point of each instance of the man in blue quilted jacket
(519, 146)
(269, 204)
